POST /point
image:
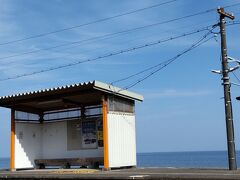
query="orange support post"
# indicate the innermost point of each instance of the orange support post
(12, 148)
(105, 134)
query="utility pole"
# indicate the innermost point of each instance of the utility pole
(227, 95)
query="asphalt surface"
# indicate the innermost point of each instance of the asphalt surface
(138, 173)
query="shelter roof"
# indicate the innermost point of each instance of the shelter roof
(86, 93)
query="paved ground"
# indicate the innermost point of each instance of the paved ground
(139, 173)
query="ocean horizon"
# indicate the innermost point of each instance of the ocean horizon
(186, 159)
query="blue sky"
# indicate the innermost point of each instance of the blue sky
(183, 107)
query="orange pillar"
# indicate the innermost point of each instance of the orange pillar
(12, 148)
(105, 134)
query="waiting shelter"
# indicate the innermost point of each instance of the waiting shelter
(90, 123)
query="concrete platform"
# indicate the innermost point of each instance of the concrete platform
(138, 173)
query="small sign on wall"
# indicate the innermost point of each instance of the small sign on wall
(89, 137)
(100, 133)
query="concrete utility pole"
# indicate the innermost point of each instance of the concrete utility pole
(227, 95)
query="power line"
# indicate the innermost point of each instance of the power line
(108, 55)
(93, 22)
(236, 76)
(99, 20)
(106, 35)
(104, 56)
(154, 72)
(113, 34)
(230, 5)
(229, 23)
(88, 23)
(9, 62)
(100, 38)
(136, 38)
(81, 41)
(164, 64)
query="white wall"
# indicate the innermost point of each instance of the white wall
(121, 139)
(45, 141)
(49, 141)
(27, 144)
(55, 143)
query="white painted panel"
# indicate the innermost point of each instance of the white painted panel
(55, 143)
(45, 141)
(121, 139)
(54, 139)
(27, 144)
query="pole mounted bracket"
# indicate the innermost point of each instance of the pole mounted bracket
(216, 71)
(232, 60)
(225, 14)
(233, 69)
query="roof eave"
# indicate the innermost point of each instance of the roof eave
(117, 91)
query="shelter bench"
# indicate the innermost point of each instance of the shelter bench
(68, 162)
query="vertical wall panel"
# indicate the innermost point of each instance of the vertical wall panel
(121, 139)
(55, 143)
(27, 144)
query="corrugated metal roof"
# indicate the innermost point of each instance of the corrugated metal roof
(95, 85)
(47, 90)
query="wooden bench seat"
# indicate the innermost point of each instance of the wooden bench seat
(68, 162)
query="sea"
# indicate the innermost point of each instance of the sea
(197, 159)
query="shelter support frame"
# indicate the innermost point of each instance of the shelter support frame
(12, 143)
(105, 133)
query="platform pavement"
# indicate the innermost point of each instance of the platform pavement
(136, 173)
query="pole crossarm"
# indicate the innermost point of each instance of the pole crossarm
(225, 14)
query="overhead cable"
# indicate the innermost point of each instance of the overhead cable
(99, 37)
(102, 20)
(162, 65)
(112, 34)
(88, 23)
(109, 54)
